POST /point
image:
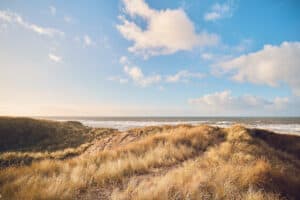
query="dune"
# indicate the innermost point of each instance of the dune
(71, 161)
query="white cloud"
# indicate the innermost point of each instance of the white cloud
(54, 58)
(136, 74)
(219, 11)
(224, 103)
(124, 60)
(183, 76)
(14, 18)
(207, 56)
(167, 31)
(87, 40)
(52, 10)
(273, 65)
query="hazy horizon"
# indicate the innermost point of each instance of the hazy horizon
(155, 116)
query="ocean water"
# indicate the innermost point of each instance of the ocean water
(285, 125)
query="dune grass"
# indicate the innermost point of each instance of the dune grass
(242, 167)
(65, 177)
(24, 140)
(185, 162)
(16, 158)
(26, 134)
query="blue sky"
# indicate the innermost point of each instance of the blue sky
(150, 58)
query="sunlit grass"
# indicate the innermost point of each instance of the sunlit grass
(182, 162)
(239, 168)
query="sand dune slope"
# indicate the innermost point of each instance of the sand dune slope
(182, 162)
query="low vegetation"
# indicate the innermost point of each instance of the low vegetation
(23, 140)
(182, 162)
(25, 134)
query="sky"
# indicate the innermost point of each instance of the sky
(150, 58)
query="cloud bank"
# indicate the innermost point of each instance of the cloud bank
(224, 103)
(273, 65)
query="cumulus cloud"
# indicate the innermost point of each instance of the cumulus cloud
(54, 58)
(136, 74)
(219, 11)
(224, 103)
(273, 65)
(183, 76)
(14, 18)
(167, 31)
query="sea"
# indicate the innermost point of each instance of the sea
(284, 125)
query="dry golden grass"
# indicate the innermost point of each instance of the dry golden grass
(25, 158)
(239, 168)
(24, 140)
(166, 163)
(111, 166)
(26, 134)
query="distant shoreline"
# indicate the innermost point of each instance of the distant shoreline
(283, 125)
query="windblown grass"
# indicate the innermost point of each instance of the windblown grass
(26, 134)
(24, 140)
(65, 177)
(25, 158)
(240, 168)
(166, 163)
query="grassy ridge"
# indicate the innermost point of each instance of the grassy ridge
(182, 162)
(24, 140)
(241, 167)
(26, 134)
